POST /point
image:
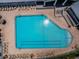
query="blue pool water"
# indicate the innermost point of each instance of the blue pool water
(37, 31)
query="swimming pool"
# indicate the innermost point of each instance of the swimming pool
(38, 31)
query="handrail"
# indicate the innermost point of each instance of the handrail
(55, 2)
(64, 2)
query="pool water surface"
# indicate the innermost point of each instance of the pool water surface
(38, 31)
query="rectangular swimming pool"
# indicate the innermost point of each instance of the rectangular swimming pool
(37, 31)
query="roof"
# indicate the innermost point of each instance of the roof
(16, 3)
(4, 1)
(75, 8)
